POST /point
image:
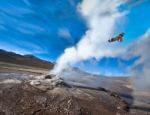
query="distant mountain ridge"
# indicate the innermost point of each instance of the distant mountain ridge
(29, 60)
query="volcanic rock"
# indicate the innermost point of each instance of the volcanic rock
(26, 99)
(48, 77)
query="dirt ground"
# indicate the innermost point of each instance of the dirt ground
(22, 93)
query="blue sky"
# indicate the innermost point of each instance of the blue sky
(45, 28)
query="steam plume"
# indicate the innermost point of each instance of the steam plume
(101, 16)
(141, 68)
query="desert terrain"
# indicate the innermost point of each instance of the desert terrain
(26, 88)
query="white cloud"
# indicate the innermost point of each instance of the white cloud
(30, 48)
(133, 3)
(101, 16)
(11, 47)
(64, 33)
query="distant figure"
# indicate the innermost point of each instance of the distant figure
(118, 38)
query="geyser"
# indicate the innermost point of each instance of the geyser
(101, 16)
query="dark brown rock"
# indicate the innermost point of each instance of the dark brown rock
(48, 77)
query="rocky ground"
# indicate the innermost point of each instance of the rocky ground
(52, 96)
(28, 90)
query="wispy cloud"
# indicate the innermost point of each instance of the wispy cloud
(41, 23)
(64, 33)
(27, 2)
(16, 49)
(133, 3)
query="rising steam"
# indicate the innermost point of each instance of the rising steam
(101, 16)
(141, 68)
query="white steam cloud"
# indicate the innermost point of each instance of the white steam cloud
(101, 16)
(141, 68)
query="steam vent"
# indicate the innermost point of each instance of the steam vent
(74, 57)
(30, 90)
